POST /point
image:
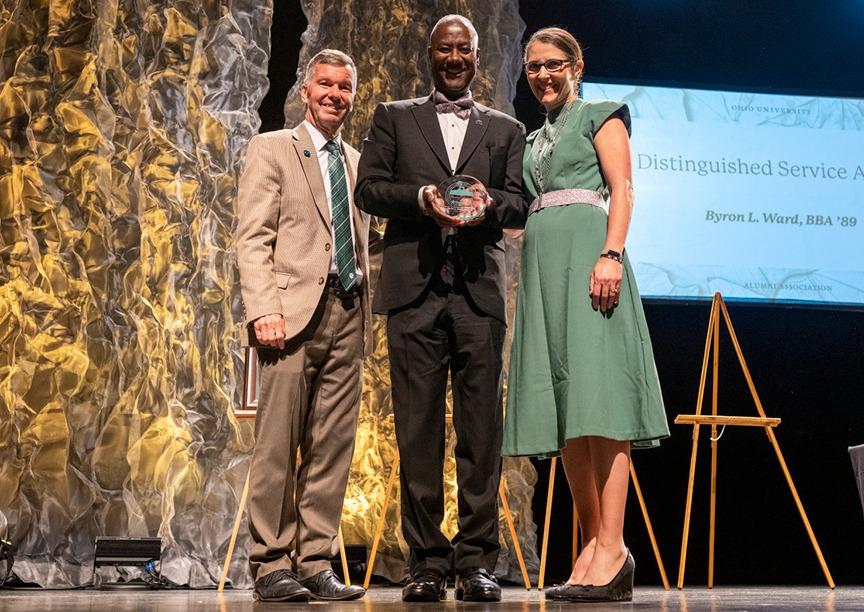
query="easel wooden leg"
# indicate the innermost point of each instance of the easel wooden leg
(237, 521)
(800, 506)
(574, 552)
(345, 576)
(776, 445)
(517, 549)
(653, 539)
(714, 440)
(544, 549)
(713, 510)
(691, 478)
(379, 528)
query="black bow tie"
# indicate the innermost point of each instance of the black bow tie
(461, 107)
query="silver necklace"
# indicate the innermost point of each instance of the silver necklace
(545, 143)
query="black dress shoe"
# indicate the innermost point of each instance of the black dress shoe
(325, 585)
(620, 588)
(477, 585)
(280, 585)
(426, 586)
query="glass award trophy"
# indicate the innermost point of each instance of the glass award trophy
(465, 197)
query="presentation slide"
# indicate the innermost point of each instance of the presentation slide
(757, 196)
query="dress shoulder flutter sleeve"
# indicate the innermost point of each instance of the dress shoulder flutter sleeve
(599, 111)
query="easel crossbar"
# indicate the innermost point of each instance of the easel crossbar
(714, 419)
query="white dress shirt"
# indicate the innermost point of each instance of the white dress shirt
(453, 129)
(319, 141)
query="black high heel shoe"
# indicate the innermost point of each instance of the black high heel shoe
(620, 588)
(554, 592)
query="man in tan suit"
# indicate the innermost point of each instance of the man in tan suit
(302, 249)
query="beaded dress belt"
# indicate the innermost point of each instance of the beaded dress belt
(565, 197)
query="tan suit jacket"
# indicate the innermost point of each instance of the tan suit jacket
(283, 234)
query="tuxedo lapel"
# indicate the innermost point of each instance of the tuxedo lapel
(427, 120)
(478, 122)
(308, 157)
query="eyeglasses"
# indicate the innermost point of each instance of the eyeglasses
(551, 65)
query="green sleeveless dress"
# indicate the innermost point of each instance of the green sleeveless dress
(575, 371)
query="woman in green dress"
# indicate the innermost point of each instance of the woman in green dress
(582, 380)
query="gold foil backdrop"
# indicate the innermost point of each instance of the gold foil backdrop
(123, 126)
(388, 41)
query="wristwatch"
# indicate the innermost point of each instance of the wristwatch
(613, 255)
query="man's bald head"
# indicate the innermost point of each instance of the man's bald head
(453, 55)
(446, 19)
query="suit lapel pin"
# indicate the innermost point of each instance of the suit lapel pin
(306, 153)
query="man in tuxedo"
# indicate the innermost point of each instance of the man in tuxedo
(442, 288)
(302, 250)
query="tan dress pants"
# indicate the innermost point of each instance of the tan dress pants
(308, 400)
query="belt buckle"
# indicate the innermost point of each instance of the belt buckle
(339, 291)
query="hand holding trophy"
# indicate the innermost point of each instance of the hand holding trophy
(465, 198)
(458, 201)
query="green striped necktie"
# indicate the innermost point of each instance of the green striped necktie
(346, 265)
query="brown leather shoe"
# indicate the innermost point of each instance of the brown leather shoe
(280, 585)
(326, 586)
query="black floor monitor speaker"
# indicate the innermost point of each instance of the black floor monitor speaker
(142, 552)
(127, 551)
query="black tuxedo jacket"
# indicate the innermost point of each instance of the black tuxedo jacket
(404, 151)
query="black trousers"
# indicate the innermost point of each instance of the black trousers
(443, 333)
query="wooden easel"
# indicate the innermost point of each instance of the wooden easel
(388, 493)
(698, 419)
(250, 404)
(545, 546)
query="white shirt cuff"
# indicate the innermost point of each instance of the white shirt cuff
(421, 203)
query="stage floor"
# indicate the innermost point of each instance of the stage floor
(691, 599)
